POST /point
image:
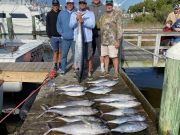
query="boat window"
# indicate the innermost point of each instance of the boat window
(16, 15)
(2, 15)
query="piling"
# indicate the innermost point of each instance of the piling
(0, 31)
(10, 27)
(33, 27)
(169, 120)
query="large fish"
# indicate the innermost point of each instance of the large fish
(121, 112)
(130, 127)
(81, 128)
(71, 87)
(79, 53)
(129, 118)
(99, 90)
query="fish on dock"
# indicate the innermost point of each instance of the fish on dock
(71, 87)
(73, 93)
(81, 128)
(121, 105)
(73, 103)
(130, 118)
(115, 97)
(99, 90)
(130, 127)
(121, 112)
(108, 83)
(72, 111)
(97, 81)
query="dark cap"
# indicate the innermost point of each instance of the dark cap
(55, 2)
(109, 1)
(83, 1)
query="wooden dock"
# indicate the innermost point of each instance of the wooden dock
(32, 72)
(48, 95)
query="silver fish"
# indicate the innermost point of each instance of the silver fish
(73, 93)
(73, 87)
(121, 112)
(98, 81)
(106, 83)
(71, 111)
(126, 104)
(73, 103)
(130, 127)
(115, 97)
(99, 90)
(78, 56)
(79, 118)
(129, 118)
(81, 128)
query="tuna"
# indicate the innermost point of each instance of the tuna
(106, 83)
(98, 81)
(71, 88)
(81, 128)
(73, 93)
(99, 90)
(130, 127)
(121, 112)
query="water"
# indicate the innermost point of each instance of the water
(149, 81)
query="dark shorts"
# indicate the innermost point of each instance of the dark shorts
(56, 43)
(88, 50)
(97, 43)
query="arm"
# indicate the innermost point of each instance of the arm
(47, 25)
(119, 30)
(59, 24)
(89, 21)
(73, 21)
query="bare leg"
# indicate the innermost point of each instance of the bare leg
(116, 65)
(56, 57)
(106, 63)
(102, 63)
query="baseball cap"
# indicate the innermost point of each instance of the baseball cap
(176, 6)
(83, 1)
(55, 2)
(109, 1)
(69, 1)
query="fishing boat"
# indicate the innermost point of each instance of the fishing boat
(21, 15)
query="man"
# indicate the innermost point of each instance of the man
(176, 28)
(66, 32)
(98, 8)
(111, 36)
(173, 16)
(55, 37)
(87, 19)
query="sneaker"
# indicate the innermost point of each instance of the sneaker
(104, 74)
(90, 76)
(55, 68)
(116, 77)
(61, 72)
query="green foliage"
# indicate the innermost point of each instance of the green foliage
(146, 18)
(159, 10)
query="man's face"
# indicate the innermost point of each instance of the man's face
(109, 7)
(96, 1)
(55, 8)
(176, 11)
(70, 5)
(82, 5)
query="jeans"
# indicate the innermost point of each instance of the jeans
(66, 44)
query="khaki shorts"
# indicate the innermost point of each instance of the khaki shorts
(110, 51)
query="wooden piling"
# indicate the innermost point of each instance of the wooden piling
(169, 121)
(33, 27)
(10, 27)
(0, 31)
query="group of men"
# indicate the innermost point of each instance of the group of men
(101, 29)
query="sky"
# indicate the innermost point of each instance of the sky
(125, 3)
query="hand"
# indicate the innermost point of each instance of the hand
(177, 29)
(79, 18)
(116, 44)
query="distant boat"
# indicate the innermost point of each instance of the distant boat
(21, 17)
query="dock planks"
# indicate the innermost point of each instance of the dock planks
(34, 72)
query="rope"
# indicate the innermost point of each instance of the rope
(50, 76)
(159, 56)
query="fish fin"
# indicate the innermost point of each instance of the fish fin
(49, 129)
(40, 115)
(44, 107)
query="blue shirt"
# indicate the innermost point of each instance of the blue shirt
(62, 24)
(88, 24)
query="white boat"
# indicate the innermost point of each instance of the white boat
(21, 17)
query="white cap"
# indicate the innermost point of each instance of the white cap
(69, 1)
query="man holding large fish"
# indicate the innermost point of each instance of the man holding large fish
(86, 19)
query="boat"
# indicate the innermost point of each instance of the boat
(21, 17)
